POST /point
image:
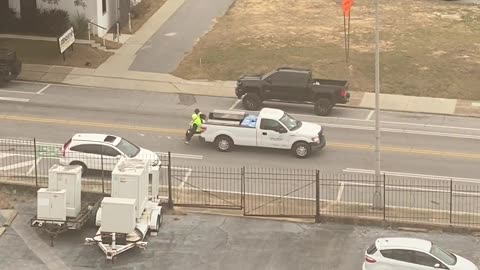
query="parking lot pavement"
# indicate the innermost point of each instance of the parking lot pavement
(194, 241)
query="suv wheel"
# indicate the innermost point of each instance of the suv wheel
(323, 107)
(252, 102)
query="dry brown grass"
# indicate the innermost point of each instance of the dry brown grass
(429, 47)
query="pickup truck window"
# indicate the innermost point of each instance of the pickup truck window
(269, 124)
(290, 122)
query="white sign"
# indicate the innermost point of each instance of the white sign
(66, 40)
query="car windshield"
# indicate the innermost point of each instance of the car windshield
(128, 148)
(290, 122)
(443, 255)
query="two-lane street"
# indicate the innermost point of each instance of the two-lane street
(411, 143)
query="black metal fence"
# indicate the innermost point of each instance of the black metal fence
(265, 191)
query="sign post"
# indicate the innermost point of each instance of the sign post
(347, 6)
(66, 41)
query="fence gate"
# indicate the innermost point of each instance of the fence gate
(206, 187)
(280, 192)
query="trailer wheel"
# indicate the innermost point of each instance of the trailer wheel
(252, 102)
(302, 149)
(323, 107)
(224, 143)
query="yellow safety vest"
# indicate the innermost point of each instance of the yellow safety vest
(198, 121)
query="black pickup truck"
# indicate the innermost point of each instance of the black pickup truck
(291, 85)
(10, 65)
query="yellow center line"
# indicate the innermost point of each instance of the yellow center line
(333, 144)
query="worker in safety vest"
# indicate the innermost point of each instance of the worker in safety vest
(195, 126)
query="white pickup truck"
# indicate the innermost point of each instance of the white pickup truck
(270, 128)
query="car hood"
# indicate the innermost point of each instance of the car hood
(145, 154)
(463, 264)
(308, 129)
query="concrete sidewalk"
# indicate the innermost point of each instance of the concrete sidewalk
(133, 80)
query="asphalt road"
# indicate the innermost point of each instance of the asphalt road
(416, 147)
(169, 45)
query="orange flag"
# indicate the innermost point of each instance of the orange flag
(347, 5)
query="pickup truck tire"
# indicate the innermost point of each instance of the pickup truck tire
(252, 102)
(323, 107)
(302, 149)
(223, 143)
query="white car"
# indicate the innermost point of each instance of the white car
(412, 254)
(102, 152)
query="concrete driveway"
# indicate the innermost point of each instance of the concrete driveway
(177, 36)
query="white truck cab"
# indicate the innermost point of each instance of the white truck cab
(271, 128)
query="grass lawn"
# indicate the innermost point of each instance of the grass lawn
(46, 52)
(429, 47)
(142, 12)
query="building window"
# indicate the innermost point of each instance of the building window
(104, 6)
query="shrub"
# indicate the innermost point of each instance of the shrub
(8, 21)
(80, 25)
(52, 22)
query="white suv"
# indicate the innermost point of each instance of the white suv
(412, 254)
(102, 152)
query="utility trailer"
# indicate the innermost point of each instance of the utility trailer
(55, 227)
(131, 213)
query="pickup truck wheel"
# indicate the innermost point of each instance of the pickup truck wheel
(252, 102)
(223, 143)
(323, 107)
(302, 149)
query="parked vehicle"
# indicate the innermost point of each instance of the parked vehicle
(412, 254)
(102, 152)
(271, 128)
(294, 86)
(10, 65)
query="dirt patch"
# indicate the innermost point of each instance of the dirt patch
(429, 47)
(141, 13)
(46, 52)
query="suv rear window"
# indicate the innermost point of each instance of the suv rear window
(372, 249)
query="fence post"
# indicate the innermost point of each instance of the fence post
(89, 31)
(317, 196)
(451, 200)
(130, 22)
(384, 196)
(242, 191)
(103, 178)
(35, 155)
(169, 172)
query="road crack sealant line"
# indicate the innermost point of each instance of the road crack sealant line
(179, 131)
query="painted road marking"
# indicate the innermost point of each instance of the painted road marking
(43, 89)
(180, 131)
(176, 155)
(414, 175)
(15, 99)
(404, 131)
(17, 92)
(234, 104)
(369, 116)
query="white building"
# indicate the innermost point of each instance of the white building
(104, 13)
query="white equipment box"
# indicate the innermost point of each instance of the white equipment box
(51, 204)
(67, 177)
(118, 215)
(130, 180)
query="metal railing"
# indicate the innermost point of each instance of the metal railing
(266, 191)
(90, 23)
